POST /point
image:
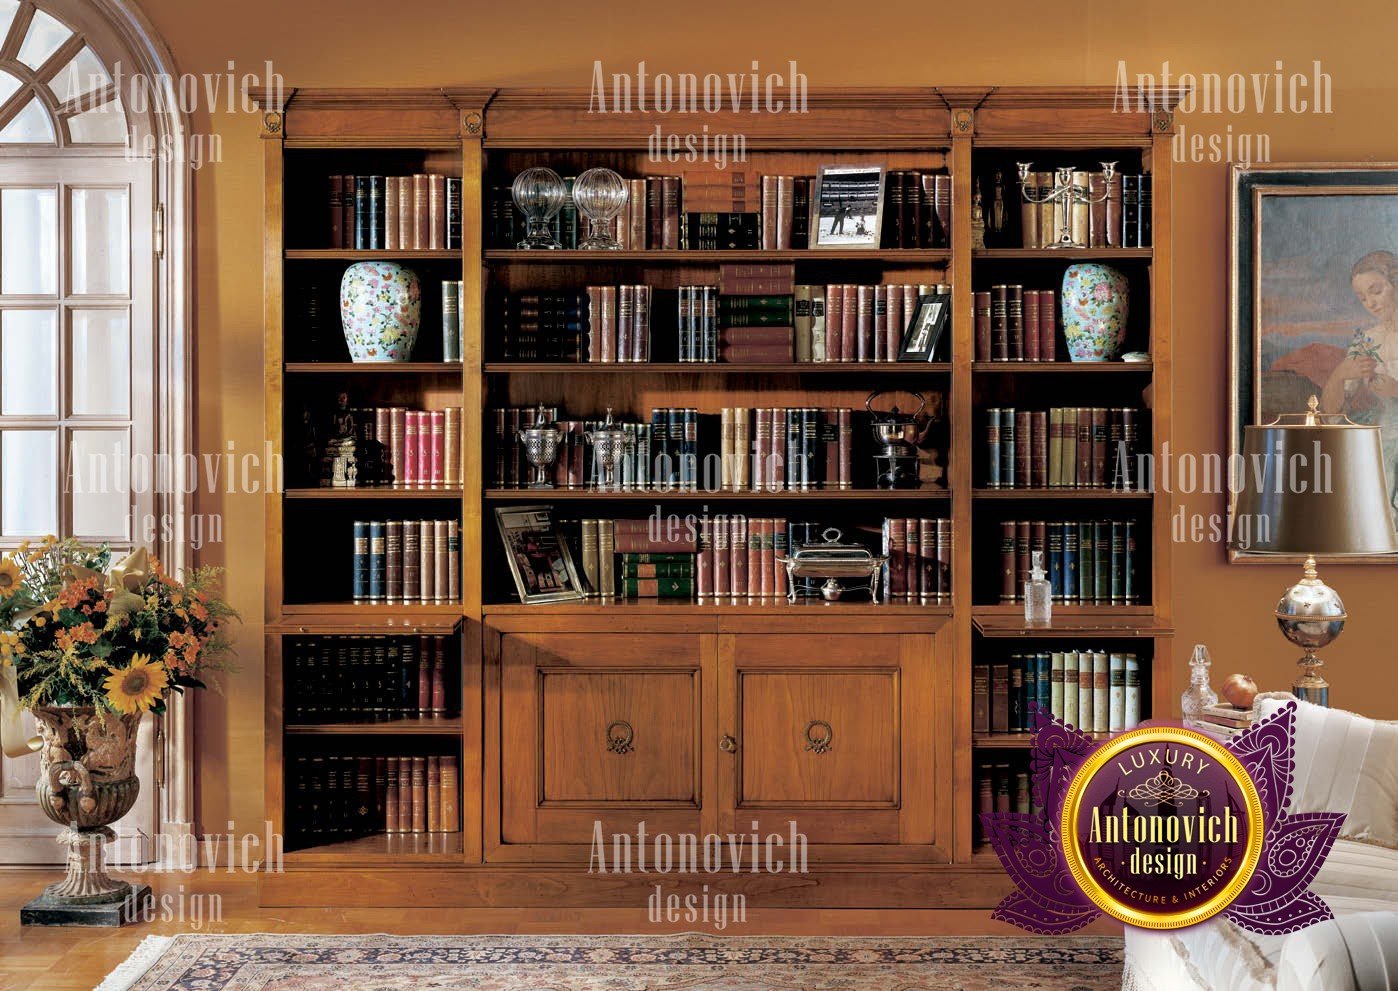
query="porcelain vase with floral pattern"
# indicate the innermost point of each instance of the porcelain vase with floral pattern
(1096, 302)
(381, 309)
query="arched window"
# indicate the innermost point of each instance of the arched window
(94, 342)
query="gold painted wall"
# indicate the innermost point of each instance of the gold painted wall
(435, 42)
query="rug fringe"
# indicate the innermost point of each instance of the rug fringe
(134, 967)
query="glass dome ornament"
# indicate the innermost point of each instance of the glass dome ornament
(600, 195)
(539, 195)
(1199, 694)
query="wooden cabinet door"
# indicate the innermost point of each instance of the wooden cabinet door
(841, 735)
(598, 732)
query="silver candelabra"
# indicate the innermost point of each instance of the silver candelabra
(1069, 194)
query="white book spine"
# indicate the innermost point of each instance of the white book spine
(1132, 716)
(1101, 717)
(1070, 687)
(1116, 672)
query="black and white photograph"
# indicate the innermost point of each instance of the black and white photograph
(925, 329)
(847, 206)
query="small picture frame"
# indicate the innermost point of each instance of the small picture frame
(925, 329)
(847, 206)
(537, 555)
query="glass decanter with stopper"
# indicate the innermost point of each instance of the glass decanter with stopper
(1198, 695)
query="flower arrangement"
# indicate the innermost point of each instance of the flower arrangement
(119, 640)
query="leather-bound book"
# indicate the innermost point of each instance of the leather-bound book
(1031, 324)
(1008, 589)
(1029, 214)
(434, 794)
(1145, 197)
(451, 795)
(412, 561)
(606, 555)
(377, 202)
(1008, 429)
(704, 563)
(451, 445)
(1130, 211)
(426, 557)
(849, 322)
(912, 557)
(670, 212)
(895, 547)
(738, 551)
(896, 320)
(436, 448)
(769, 212)
(1101, 691)
(999, 323)
(1083, 476)
(912, 211)
(993, 440)
(834, 322)
(589, 539)
(392, 798)
(1023, 443)
(762, 453)
(880, 348)
(453, 200)
(377, 561)
(1130, 592)
(944, 548)
(721, 530)
(393, 554)
(403, 190)
(981, 303)
(1049, 211)
(864, 323)
(625, 322)
(423, 692)
(893, 210)
(418, 794)
(1111, 213)
(361, 213)
(390, 212)
(742, 449)
(1023, 528)
(640, 330)
(1070, 561)
(637, 219)
(1099, 448)
(439, 678)
(943, 205)
(754, 589)
(436, 212)
(801, 322)
(927, 560)
(336, 204)
(800, 212)
(818, 324)
(1000, 698)
(1038, 450)
(1097, 210)
(1014, 320)
(1048, 325)
(845, 475)
(412, 430)
(422, 218)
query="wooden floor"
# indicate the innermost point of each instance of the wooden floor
(48, 959)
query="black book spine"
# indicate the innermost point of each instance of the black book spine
(1130, 211)
(674, 426)
(378, 561)
(1144, 197)
(453, 213)
(812, 470)
(689, 449)
(1007, 447)
(376, 213)
(361, 212)
(1017, 721)
(1118, 563)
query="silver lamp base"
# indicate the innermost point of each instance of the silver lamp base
(1311, 616)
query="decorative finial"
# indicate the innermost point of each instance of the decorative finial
(1312, 410)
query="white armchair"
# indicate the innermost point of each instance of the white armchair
(1344, 763)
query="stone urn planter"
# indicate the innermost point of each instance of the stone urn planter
(381, 310)
(1096, 302)
(87, 782)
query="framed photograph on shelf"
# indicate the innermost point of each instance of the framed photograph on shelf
(1313, 300)
(847, 206)
(537, 555)
(925, 329)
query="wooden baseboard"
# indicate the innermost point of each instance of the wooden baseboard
(895, 887)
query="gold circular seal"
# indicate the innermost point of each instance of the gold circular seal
(1107, 762)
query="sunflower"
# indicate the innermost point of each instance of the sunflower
(9, 578)
(138, 687)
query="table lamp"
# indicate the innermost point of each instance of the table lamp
(1313, 484)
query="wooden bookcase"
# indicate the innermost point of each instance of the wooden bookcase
(718, 687)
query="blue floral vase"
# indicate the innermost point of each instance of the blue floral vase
(1096, 302)
(381, 309)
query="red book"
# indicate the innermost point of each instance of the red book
(439, 678)
(756, 354)
(1031, 325)
(912, 554)
(894, 321)
(1009, 589)
(705, 563)
(849, 323)
(1048, 325)
(723, 565)
(391, 798)
(1038, 449)
(769, 336)
(436, 438)
(864, 323)
(927, 559)
(424, 449)
(982, 307)
(834, 320)
(1014, 316)
(896, 547)
(776, 455)
(738, 546)
(412, 426)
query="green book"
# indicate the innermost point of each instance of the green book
(661, 569)
(634, 557)
(657, 588)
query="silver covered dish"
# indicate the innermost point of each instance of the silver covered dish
(834, 562)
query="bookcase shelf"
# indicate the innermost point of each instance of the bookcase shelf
(717, 368)
(1014, 741)
(523, 665)
(395, 727)
(786, 495)
(934, 256)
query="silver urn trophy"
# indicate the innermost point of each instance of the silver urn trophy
(541, 443)
(609, 446)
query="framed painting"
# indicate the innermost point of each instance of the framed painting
(1313, 300)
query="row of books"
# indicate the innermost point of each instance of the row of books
(720, 556)
(369, 679)
(1102, 214)
(738, 449)
(337, 797)
(422, 448)
(919, 559)
(1068, 447)
(1016, 324)
(406, 561)
(1002, 786)
(1090, 562)
(412, 212)
(916, 209)
(1093, 690)
(862, 323)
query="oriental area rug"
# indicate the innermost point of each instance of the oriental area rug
(265, 962)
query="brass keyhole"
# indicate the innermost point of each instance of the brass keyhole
(818, 742)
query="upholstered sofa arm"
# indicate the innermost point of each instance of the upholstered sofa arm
(1348, 953)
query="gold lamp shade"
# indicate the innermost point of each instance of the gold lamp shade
(1312, 487)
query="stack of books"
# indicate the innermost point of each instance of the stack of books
(394, 213)
(1093, 690)
(544, 326)
(1224, 720)
(919, 559)
(1072, 447)
(1090, 562)
(862, 323)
